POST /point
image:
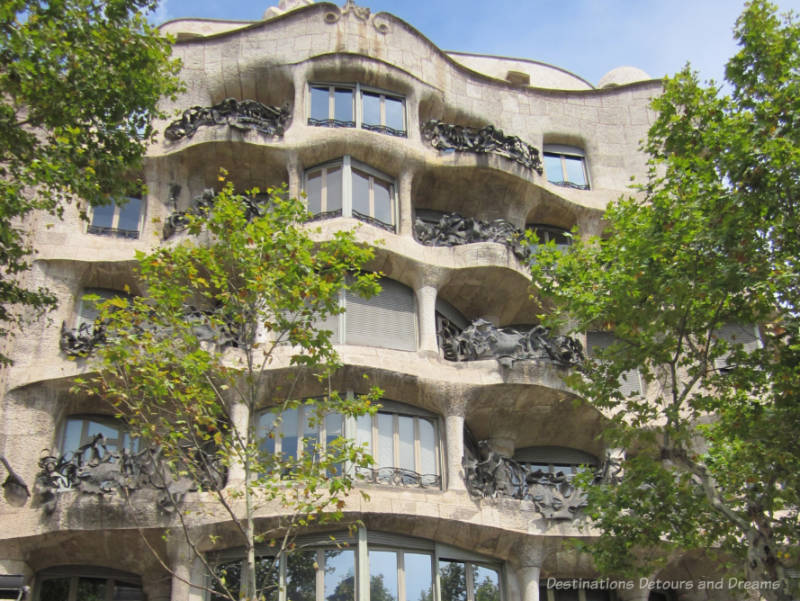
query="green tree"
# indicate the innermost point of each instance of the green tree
(710, 241)
(189, 366)
(79, 84)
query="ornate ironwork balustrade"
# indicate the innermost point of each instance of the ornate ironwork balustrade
(454, 229)
(239, 114)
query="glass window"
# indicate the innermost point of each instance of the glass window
(551, 233)
(71, 583)
(297, 432)
(120, 218)
(82, 430)
(404, 447)
(566, 166)
(334, 106)
(371, 197)
(630, 382)
(88, 311)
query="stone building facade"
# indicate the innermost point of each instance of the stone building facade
(444, 157)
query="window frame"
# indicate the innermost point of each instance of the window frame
(347, 164)
(357, 108)
(75, 573)
(547, 232)
(113, 230)
(563, 152)
(85, 437)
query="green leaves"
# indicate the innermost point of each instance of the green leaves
(710, 240)
(71, 125)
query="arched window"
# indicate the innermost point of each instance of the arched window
(349, 188)
(79, 583)
(566, 166)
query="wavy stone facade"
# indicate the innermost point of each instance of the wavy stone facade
(383, 130)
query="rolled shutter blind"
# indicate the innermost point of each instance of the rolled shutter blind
(387, 320)
(736, 333)
(629, 381)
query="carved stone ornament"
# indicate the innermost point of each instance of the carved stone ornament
(396, 476)
(491, 475)
(239, 114)
(81, 341)
(486, 140)
(362, 13)
(94, 469)
(177, 221)
(453, 229)
(482, 340)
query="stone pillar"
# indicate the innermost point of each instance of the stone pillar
(294, 171)
(405, 206)
(426, 314)
(454, 426)
(181, 558)
(240, 421)
(530, 556)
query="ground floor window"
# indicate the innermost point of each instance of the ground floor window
(72, 583)
(373, 566)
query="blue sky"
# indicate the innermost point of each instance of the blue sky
(587, 37)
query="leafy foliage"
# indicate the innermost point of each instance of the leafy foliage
(79, 83)
(710, 240)
(188, 365)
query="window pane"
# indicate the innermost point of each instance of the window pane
(453, 580)
(487, 584)
(339, 575)
(265, 425)
(552, 168)
(103, 216)
(310, 430)
(267, 578)
(334, 189)
(343, 107)
(405, 429)
(91, 589)
(382, 576)
(575, 171)
(129, 215)
(231, 575)
(301, 576)
(361, 192)
(364, 431)
(319, 103)
(383, 202)
(385, 456)
(54, 589)
(371, 107)
(314, 192)
(394, 114)
(333, 426)
(72, 435)
(419, 579)
(427, 447)
(289, 431)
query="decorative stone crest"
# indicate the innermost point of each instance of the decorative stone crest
(491, 475)
(486, 140)
(453, 229)
(482, 340)
(81, 341)
(239, 114)
(362, 13)
(94, 469)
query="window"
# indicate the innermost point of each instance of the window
(118, 218)
(736, 334)
(71, 583)
(88, 311)
(554, 461)
(391, 567)
(566, 166)
(81, 430)
(630, 382)
(387, 320)
(551, 233)
(351, 189)
(355, 106)
(403, 442)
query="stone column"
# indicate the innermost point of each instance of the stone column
(530, 556)
(405, 206)
(181, 558)
(454, 426)
(240, 421)
(426, 314)
(294, 171)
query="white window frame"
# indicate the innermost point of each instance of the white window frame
(303, 413)
(358, 108)
(347, 164)
(563, 151)
(114, 230)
